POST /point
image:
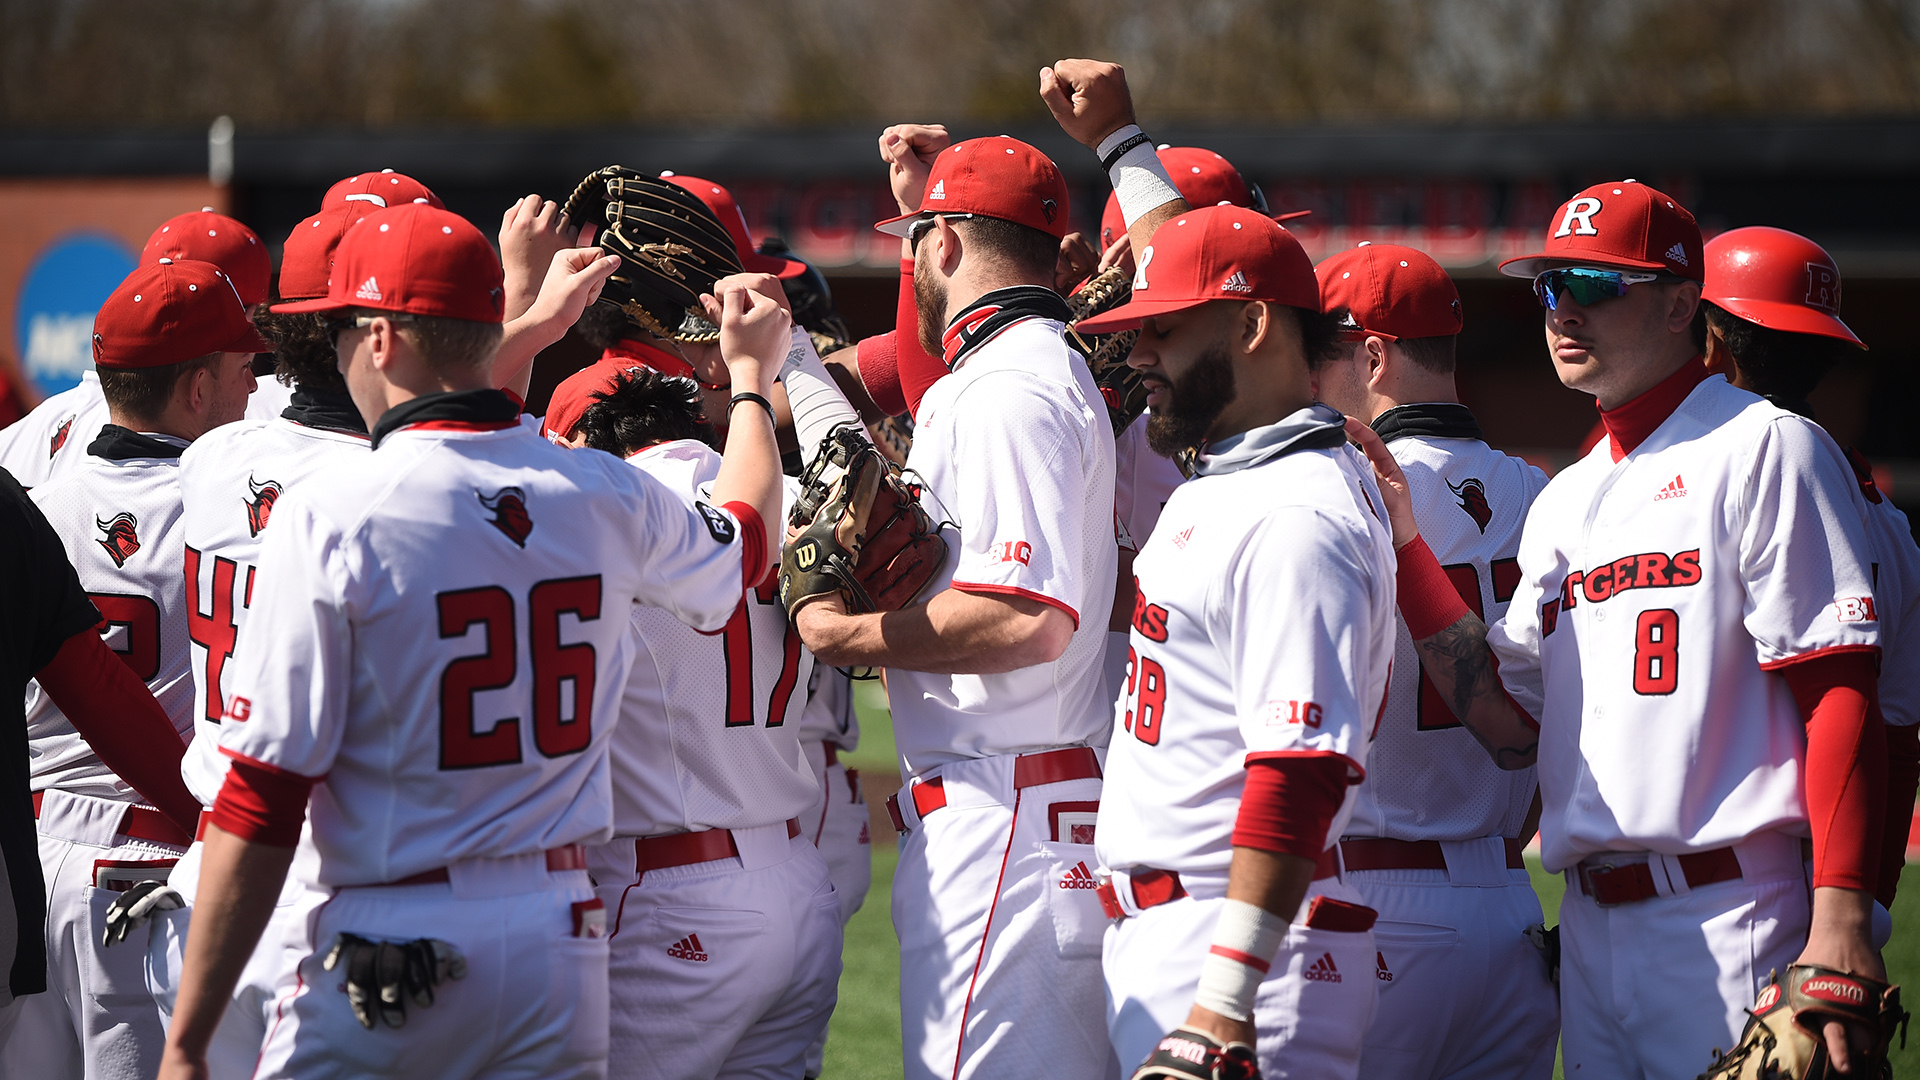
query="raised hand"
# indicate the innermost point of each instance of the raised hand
(532, 231)
(909, 150)
(1089, 98)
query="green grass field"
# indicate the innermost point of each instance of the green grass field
(864, 1043)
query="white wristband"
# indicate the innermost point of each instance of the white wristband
(1139, 179)
(1244, 943)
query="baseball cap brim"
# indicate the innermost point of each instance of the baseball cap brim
(324, 303)
(1291, 215)
(782, 268)
(1530, 266)
(251, 342)
(1130, 315)
(1791, 318)
(897, 226)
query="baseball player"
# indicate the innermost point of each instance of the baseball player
(1773, 327)
(995, 680)
(1690, 652)
(51, 439)
(174, 350)
(447, 657)
(722, 923)
(1434, 844)
(1241, 734)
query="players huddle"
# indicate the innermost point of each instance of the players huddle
(510, 751)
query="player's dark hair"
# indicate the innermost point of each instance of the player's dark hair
(303, 355)
(1021, 247)
(1698, 331)
(1777, 364)
(604, 326)
(452, 343)
(1319, 336)
(143, 393)
(644, 407)
(1434, 354)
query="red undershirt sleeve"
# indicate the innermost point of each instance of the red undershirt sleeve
(1903, 778)
(262, 804)
(1289, 802)
(754, 563)
(115, 712)
(879, 365)
(1846, 777)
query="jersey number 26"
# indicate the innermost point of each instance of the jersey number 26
(556, 668)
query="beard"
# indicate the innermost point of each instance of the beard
(930, 300)
(1195, 400)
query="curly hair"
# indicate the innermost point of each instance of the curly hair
(644, 407)
(303, 355)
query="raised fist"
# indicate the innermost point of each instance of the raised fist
(909, 150)
(1089, 98)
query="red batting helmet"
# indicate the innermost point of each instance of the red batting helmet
(1776, 279)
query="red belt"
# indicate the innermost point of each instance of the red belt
(1151, 888)
(1381, 853)
(687, 848)
(1029, 770)
(141, 824)
(1634, 882)
(571, 857)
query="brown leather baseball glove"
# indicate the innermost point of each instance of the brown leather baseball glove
(862, 534)
(1783, 1039)
(1107, 354)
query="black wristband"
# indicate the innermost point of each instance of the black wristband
(1118, 152)
(757, 400)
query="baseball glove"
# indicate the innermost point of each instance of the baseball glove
(671, 247)
(1107, 354)
(863, 535)
(1187, 1054)
(1783, 1039)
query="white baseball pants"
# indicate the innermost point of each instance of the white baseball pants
(97, 1017)
(999, 964)
(838, 826)
(1311, 1011)
(533, 1002)
(1463, 992)
(1649, 989)
(723, 968)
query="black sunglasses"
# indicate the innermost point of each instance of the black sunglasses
(924, 225)
(357, 322)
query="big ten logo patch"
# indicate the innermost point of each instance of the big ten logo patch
(1005, 551)
(1149, 619)
(1305, 713)
(239, 708)
(1855, 609)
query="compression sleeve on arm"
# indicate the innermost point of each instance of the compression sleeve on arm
(880, 372)
(1427, 598)
(1846, 772)
(114, 711)
(816, 401)
(1289, 802)
(262, 804)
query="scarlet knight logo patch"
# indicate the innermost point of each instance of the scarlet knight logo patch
(260, 507)
(122, 540)
(1473, 499)
(509, 506)
(60, 436)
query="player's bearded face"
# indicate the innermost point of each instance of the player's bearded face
(1194, 400)
(930, 297)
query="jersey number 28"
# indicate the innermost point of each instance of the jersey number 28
(556, 668)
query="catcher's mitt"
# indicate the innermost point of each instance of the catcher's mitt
(671, 247)
(1783, 1039)
(864, 535)
(1107, 353)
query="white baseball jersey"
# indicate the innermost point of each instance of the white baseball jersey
(829, 715)
(1263, 627)
(450, 641)
(269, 399)
(53, 438)
(1655, 594)
(230, 480)
(1015, 452)
(1896, 598)
(709, 734)
(1143, 481)
(1428, 778)
(119, 518)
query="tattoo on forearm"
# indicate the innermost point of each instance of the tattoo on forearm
(1459, 656)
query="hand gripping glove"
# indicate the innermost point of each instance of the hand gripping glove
(1783, 1039)
(1106, 354)
(134, 907)
(864, 535)
(382, 975)
(671, 247)
(1187, 1054)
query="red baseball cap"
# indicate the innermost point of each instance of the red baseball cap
(722, 203)
(1214, 253)
(220, 240)
(1776, 279)
(417, 260)
(170, 311)
(1202, 177)
(1623, 224)
(380, 190)
(1392, 291)
(998, 177)
(306, 259)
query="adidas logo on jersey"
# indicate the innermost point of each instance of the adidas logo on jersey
(369, 290)
(1674, 490)
(1079, 878)
(1323, 970)
(1236, 283)
(939, 190)
(1180, 538)
(1677, 254)
(688, 948)
(1380, 969)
